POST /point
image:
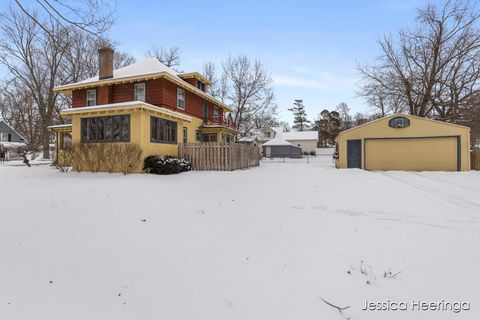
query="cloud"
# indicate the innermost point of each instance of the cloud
(322, 81)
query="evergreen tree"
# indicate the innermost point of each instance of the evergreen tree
(300, 121)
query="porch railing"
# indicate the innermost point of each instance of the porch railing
(219, 157)
(220, 121)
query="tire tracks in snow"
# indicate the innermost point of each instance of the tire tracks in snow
(435, 193)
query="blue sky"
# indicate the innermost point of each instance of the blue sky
(311, 48)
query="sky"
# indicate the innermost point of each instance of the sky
(311, 48)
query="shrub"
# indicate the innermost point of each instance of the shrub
(165, 165)
(312, 153)
(110, 157)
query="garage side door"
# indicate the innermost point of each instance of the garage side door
(419, 154)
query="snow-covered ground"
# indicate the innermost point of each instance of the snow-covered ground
(264, 243)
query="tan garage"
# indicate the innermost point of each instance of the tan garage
(404, 142)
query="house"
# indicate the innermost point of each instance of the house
(146, 103)
(306, 140)
(8, 134)
(280, 148)
(404, 142)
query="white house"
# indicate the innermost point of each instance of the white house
(306, 140)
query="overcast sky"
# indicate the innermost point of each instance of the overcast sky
(311, 48)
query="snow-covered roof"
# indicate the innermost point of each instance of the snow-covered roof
(11, 128)
(141, 68)
(246, 139)
(278, 141)
(300, 135)
(68, 125)
(147, 68)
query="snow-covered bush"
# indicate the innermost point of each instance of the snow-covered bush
(165, 165)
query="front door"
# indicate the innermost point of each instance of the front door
(354, 154)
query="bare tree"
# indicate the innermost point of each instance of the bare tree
(431, 71)
(169, 57)
(345, 117)
(219, 87)
(94, 17)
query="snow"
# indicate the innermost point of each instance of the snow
(278, 141)
(263, 243)
(300, 135)
(140, 68)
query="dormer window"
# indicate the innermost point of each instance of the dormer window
(399, 122)
(139, 92)
(180, 98)
(200, 85)
(91, 97)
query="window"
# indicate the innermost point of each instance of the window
(201, 85)
(139, 92)
(180, 98)
(106, 129)
(268, 134)
(3, 137)
(91, 97)
(205, 111)
(215, 114)
(209, 137)
(163, 131)
(185, 135)
(399, 122)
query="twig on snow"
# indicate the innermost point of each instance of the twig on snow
(340, 309)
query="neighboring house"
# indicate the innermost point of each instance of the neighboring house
(280, 148)
(306, 140)
(146, 103)
(404, 142)
(8, 134)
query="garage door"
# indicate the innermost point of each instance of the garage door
(416, 154)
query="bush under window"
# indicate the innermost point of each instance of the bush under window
(165, 165)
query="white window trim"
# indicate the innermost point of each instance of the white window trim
(135, 93)
(94, 99)
(178, 100)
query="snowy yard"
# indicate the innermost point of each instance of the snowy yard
(264, 243)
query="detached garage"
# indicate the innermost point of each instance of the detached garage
(279, 148)
(404, 142)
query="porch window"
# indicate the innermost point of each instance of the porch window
(106, 129)
(163, 131)
(180, 98)
(185, 131)
(91, 97)
(139, 92)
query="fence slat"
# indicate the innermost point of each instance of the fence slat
(220, 157)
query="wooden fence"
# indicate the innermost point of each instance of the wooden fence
(475, 159)
(220, 157)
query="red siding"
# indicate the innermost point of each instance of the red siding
(79, 98)
(159, 92)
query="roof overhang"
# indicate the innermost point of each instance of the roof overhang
(60, 128)
(196, 76)
(126, 107)
(68, 88)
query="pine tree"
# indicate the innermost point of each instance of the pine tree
(300, 121)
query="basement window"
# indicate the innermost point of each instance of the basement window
(399, 122)
(139, 92)
(91, 97)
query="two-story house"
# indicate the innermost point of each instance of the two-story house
(146, 103)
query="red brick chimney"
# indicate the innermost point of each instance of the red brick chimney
(105, 62)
